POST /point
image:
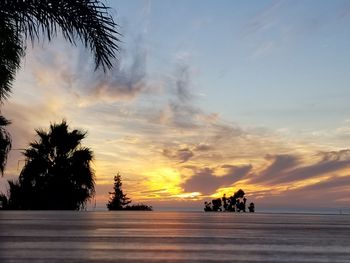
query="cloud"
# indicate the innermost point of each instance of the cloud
(72, 71)
(183, 83)
(329, 184)
(224, 131)
(342, 155)
(181, 155)
(332, 192)
(125, 81)
(156, 191)
(237, 171)
(180, 110)
(263, 20)
(322, 167)
(279, 164)
(206, 182)
(288, 168)
(203, 147)
(182, 116)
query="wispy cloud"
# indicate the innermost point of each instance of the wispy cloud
(287, 169)
(181, 155)
(263, 20)
(126, 81)
(278, 166)
(183, 84)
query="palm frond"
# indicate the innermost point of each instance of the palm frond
(11, 52)
(5, 143)
(87, 20)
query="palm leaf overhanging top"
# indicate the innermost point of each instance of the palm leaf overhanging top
(11, 52)
(86, 20)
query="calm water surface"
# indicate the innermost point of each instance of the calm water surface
(172, 237)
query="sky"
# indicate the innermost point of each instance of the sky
(206, 97)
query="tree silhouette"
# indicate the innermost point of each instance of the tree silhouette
(118, 199)
(239, 194)
(57, 173)
(5, 143)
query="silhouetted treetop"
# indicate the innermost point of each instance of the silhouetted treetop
(57, 172)
(118, 199)
(239, 194)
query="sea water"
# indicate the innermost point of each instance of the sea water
(126, 236)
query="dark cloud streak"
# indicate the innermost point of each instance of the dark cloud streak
(206, 182)
(288, 169)
(181, 155)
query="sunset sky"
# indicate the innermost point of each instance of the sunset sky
(207, 97)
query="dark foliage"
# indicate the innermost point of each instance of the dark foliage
(239, 194)
(216, 204)
(11, 52)
(5, 143)
(139, 207)
(251, 208)
(57, 173)
(235, 203)
(3, 201)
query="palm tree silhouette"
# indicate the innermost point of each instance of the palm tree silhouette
(86, 20)
(5, 143)
(57, 173)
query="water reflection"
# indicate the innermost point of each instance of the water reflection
(170, 236)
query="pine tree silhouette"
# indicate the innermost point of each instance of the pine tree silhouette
(118, 200)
